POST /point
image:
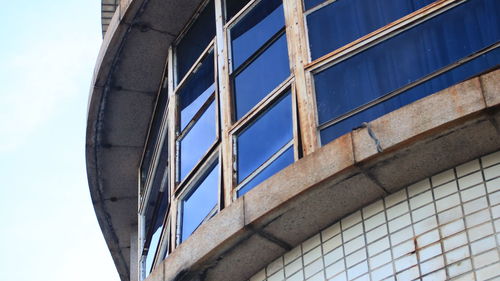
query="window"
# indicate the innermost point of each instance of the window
(233, 7)
(200, 202)
(265, 146)
(444, 48)
(259, 55)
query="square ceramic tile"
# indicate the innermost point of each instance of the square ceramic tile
(419, 187)
(275, 266)
(293, 267)
(494, 198)
(357, 270)
(473, 192)
(489, 272)
(477, 218)
(452, 228)
(425, 225)
(470, 180)
(485, 259)
(450, 215)
(455, 241)
(405, 262)
(395, 198)
(330, 232)
(443, 177)
(354, 244)
(397, 210)
(483, 245)
(333, 243)
(311, 243)
(465, 277)
(423, 212)
(445, 190)
(312, 255)
(492, 172)
(428, 238)
(405, 248)
(436, 276)
(373, 209)
(335, 269)
(350, 220)
(402, 235)
(429, 252)
(459, 268)
(409, 274)
(480, 231)
(278, 276)
(495, 212)
(421, 200)
(355, 257)
(382, 272)
(491, 159)
(298, 276)
(376, 233)
(447, 202)
(380, 259)
(334, 256)
(475, 205)
(320, 276)
(365, 277)
(374, 221)
(313, 268)
(467, 168)
(431, 265)
(378, 246)
(457, 254)
(493, 185)
(341, 277)
(352, 232)
(399, 223)
(293, 254)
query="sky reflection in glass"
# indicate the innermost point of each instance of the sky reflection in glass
(255, 29)
(197, 141)
(201, 200)
(285, 159)
(264, 137)
(407, 57)
(259, 78)
(344, 21)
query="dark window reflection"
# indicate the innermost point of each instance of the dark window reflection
(197, 141)
(200, 202)
(196, 40)
(195, 92)
(344, 21)
(264, 137)
(255, 29)
(285, 159)
(406, 58)
(153, 232)
(233, 7)
(259, 78)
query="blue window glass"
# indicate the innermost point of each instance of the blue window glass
(308, 4)
(233, 7)
(255, 29)
(200, 202)
(440, 82)
(285, 159)
(197, 141)
(196, 40)
(264, 137)
(344, 21)
(196, 91)
(407, 57)
(259, 78)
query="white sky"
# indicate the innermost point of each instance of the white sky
(48, 227)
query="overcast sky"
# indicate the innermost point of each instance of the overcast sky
(48, 227)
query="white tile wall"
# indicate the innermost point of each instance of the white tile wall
(446, 227)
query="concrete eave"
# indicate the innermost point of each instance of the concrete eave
(419, 140)
(124, 88)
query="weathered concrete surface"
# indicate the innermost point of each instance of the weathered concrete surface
(124, 88)
(333, 182)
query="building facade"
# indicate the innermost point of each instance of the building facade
(298, 139)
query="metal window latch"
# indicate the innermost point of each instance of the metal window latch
(372, 135)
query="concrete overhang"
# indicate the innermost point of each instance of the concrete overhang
(424, 138)
(124, 88)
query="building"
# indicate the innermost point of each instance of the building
(298, 139)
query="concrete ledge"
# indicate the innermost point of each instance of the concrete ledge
(418, 140)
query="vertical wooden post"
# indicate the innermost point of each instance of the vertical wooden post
(298, 51)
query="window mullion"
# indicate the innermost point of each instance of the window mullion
(299, 56)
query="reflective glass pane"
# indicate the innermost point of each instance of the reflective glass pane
(195, 92)
(285, 159)
(308, 4)
(198, 204)
(196, 40)
(259, 78)
(264, 137)
(152, 250)
(197, 141)
(443, 81)
(407, 57)
(344, 21)
(153, 233)
(256, 28)
(233, 7)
